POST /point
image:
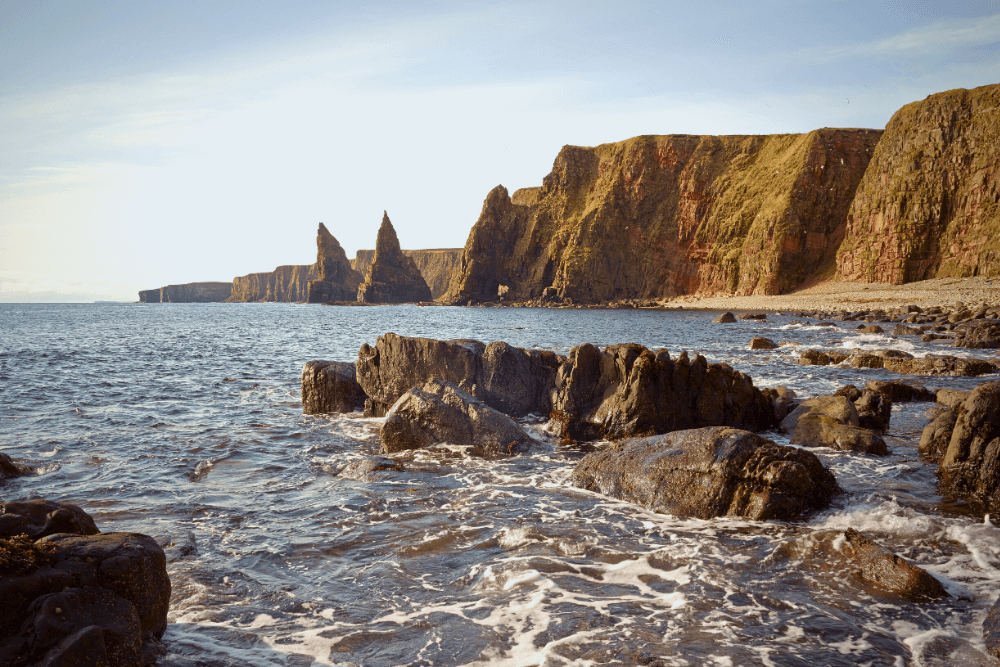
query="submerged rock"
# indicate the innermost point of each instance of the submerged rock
(8, 468)
(709, 472)
(724, 318)
(330, 386)
(440, 412)
(393, 277)
(890, 573)
(759, 343)
(365, 469)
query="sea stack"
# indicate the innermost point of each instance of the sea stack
(336, 280)
(393, 277)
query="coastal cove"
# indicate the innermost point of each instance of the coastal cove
(184, 422)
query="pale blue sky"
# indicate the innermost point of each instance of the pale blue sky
(152, 143)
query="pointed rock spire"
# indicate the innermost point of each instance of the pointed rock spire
(335, 279)
(393, 277)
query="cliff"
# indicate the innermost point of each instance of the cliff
(335, 279)
(657, 216)
(285, 283)
(187, 293)
(929, 204)
(436, 266)
(393, 277)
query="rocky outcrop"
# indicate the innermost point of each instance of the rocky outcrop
(440, 412)
(929, 203)
(330, 387)
(40, 518)
(335, 279)
(393, 277)
(657, 216)
(900, 362)
(709, 472)
(188, 293)
(284, 284)
(979, 335)
(888, 572)
(970, 466)
(509, 379)
(437, 266)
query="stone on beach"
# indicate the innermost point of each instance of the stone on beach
(709, 472)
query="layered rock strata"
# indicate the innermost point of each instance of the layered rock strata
(335, 279)
(710, 472)
(929, 203)
(188, 293)
(284, 284)
(657, 216)
(393, 277)
(437, 266)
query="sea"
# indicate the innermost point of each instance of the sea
(184, 422)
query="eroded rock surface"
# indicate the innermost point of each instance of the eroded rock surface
(330, 386)
(436, 265)
(39, 518)
(890, 573)
(970, 466)
(285, 284)
(393, 277)
(709, 472)
(335, 279)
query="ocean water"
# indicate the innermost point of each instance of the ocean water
(184, 421)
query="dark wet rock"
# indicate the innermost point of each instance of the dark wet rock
(709, 472)
(849, 391)
(941, 365)
(335, 279)
(330, 386)
(628, 390)
(441, 412)
(509, 379)
(890, 573)
(819, 430)
(839, 408)
(814, 358)
(874, 411)
(759, 343)
(393, 276)
(979, 335)
(903, 330)
(8, 468)
(991, 630)
(754, 316)
(931, 337)
(937, 435)
(970, 466)
(39, 518)
(951, 397)
(365, 469)
(900, 392)
(724, 318)
(783, 400)
(873, 329)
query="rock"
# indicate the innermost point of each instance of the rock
(931, 337)
(754, 316)
(850, 392)
(903, 330)
(709, 472)
(940, 365)
(8, 468)
(937, 435)
(874, 411)
(392, 277)
(335, 279)
(514, 381)
(39, 518)
(187, 293)
(873, 329)
(926, 207)
(814, 358)
(724, 318)
(951, 397)
(890, 573)
(900, 392)
(330, 386)
(285, 284)
(980, 335)
(970, 466)
(628, 390)
(437, 266)
(758, 343)
(838, 408)
(783, 399)
(365, 469)
(441, 412)
(615, 221)
(991, 630)
(819, 430)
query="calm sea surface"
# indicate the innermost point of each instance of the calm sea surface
(184, 421)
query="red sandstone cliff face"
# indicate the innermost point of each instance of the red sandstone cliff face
(656, 216)
(929, 204)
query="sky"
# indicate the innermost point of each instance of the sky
(148, 143)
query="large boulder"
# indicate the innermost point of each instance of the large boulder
(874, 411)
(888, 572)
(761, 343)
(725, 318)
(970, 466)
(330, 386)
(839, 408)
(979, 335)
(900, 392)
(8, 468)
(628, 390)
(507, 378)
(831, 421)
(39, 518)
(991, 630)
(440, 412)
(393, 276)
(709, 472)
(936, 436)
